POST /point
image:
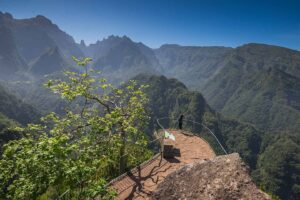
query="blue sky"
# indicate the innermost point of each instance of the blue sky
(185, 22)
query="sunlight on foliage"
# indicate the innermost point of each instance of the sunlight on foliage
(74, 155)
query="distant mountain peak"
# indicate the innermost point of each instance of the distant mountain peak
(42, 20)
(126, 37)
(39, 19)
(117, 38)
(112, 37)
(266, 47)
(5, 18)
(6, 15)
(82, 43)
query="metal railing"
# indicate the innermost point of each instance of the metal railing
(159, 137)
(194, 122)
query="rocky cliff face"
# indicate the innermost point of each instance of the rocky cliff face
(222, 178)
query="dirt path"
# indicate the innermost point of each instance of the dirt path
(144, 180)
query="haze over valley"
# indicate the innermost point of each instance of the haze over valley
(249, 96)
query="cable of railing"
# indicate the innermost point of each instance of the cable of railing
(210, 133)
(215, 137)
(159, 124)
(63, 194)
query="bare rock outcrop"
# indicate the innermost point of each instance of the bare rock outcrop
(222, 178)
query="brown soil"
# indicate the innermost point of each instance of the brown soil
(144, 180)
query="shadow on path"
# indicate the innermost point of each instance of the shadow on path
(139, 178)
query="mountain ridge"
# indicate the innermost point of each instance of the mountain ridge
(242, 78)
(38, 34)
(222, 74)
(49, 62)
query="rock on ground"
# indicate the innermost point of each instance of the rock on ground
(222, 178)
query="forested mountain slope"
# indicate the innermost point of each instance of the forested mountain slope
(13, 112)
(278, 169)
(15, 109)
(10, 60)
(259, 84)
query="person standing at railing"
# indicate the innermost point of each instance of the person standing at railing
(180, 121)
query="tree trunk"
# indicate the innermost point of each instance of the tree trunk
(122, 154)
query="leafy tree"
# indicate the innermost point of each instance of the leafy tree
(75, 154)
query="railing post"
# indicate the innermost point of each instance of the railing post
(162, 143)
